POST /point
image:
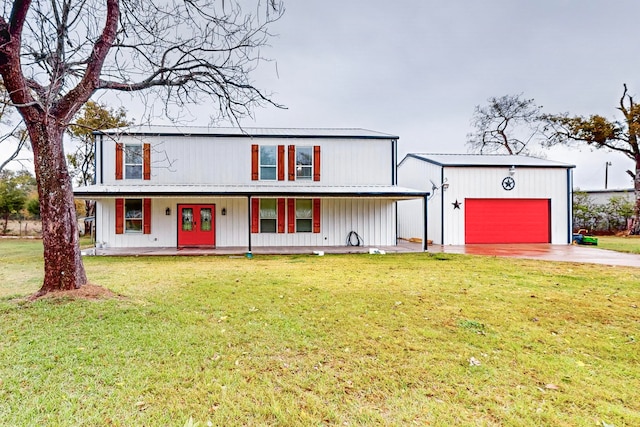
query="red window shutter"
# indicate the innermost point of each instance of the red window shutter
(146, 161)
(255, 215)
(281, 215)
(119, 160)
(291, 215)
(316, 215)
(255, 152)
(146, 216)
(119, 216)
(292, 163)
(280, 162)
(316, 163)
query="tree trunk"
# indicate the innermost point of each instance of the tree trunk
(635, 227)
(63, 268)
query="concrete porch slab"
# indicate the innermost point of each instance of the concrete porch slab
(403, 247)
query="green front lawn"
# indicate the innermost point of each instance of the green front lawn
(416, 339)
(629, 244)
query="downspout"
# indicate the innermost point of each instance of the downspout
(95, 160)
(394, 160)
(442, 205)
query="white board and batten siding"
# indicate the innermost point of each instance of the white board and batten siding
(480, 177)
(372, 219)
(177, 159)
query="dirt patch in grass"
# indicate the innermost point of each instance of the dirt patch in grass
(86, 292)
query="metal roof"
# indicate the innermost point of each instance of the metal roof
(608, 190)
(486, 160)
(248, 132)
(193, 190)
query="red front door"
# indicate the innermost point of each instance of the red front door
(196, 225)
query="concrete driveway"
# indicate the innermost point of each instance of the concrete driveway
(566, 253)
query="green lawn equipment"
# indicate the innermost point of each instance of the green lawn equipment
(582, 237)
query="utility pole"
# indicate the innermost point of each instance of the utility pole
(606, 174)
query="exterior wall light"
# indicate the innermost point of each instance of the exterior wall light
(167, 211)
(512, 170)
(223, 211)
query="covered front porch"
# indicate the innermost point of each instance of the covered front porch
(403, 246)
(235, 218)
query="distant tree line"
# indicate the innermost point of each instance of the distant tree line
(18, 198)
(611, 217)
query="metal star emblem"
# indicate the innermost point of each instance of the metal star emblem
(508, 183)
(456, 204)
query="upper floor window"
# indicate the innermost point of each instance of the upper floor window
(268, 162)
(133, 161)
(304, 163)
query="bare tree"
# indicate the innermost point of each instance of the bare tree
(601, 133)
(505, 125)
(14, 133)
(56, 54)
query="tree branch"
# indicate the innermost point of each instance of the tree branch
(76, 97)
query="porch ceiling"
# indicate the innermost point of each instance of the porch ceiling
(97, 192)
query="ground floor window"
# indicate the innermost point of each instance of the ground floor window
(304, 216)
(285, 215)
(268, 215)
(133, 215)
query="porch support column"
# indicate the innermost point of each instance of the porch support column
(249, 220)
(425, 199)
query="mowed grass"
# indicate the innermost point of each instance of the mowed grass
(629, 244)
(418, 339)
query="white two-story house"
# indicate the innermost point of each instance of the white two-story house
(229, 187)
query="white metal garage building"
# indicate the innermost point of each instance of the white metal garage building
(487, 199)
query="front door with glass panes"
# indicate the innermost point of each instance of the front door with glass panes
(196, 225)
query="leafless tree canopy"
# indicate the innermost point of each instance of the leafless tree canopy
(505, 125)
(10, 131)
(185, 51)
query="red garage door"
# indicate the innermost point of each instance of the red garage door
(507, 221)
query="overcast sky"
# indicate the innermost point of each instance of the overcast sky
(417, 68)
